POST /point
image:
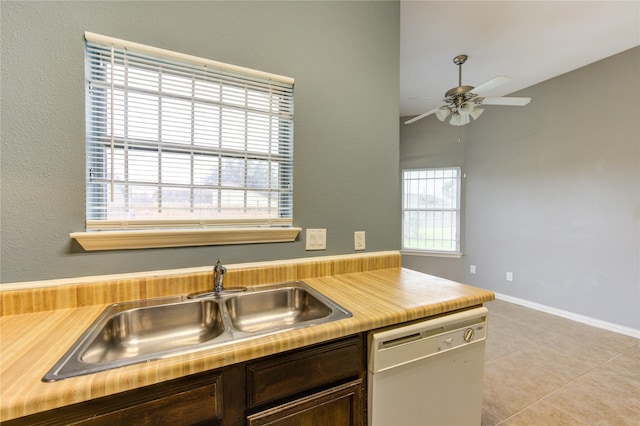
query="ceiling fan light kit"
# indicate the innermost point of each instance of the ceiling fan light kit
(476, 112)
(463, 102)
(442, 113)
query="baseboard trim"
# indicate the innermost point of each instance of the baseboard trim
(616, 328)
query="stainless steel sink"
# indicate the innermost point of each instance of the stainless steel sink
(132, 332)
(149, 330)
(275, 309)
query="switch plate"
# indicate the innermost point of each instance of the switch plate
(359, 240)
(316, 239)
(472, 269)
(509, 276)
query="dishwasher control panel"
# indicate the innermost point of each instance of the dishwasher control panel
(461, 337)
(414, 342)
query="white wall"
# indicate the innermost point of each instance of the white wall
(552, 193)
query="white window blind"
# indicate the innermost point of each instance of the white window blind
(431, 210)
(179, 141)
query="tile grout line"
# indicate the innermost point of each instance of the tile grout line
(597, 366)
(560, 388)
(548, 395)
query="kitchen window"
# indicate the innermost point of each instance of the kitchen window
(180, 145)
(431, 211)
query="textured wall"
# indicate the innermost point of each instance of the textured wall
(343, 55)
(552, 193)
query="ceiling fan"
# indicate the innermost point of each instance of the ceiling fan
(463, 102)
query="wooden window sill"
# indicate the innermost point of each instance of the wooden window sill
(159, 238)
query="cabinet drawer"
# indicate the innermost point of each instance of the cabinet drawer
(286, 375)
(338, 406)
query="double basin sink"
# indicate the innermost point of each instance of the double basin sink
(133, 332)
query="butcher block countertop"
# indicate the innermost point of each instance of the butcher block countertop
(40, 321)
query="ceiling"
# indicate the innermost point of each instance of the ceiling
(530, 41)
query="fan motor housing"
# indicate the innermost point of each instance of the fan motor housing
(460, 90)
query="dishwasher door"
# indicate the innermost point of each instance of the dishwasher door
(428, 373)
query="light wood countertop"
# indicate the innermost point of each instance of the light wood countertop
(33, 342)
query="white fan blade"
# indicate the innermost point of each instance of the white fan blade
(506, 101)
(491, 84)
(421, 116)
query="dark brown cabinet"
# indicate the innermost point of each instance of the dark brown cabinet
(186, 401)
(322, 384)
(339, 405)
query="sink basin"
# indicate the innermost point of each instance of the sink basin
(126, 333)
(149, 330)
(274, 309)
(132, 332)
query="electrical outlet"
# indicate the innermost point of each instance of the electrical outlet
(359, 240)
(316, 239)
(472, 269)
(509, 276)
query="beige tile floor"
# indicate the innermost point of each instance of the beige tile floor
(543, 370)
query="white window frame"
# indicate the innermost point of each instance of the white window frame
(420, 233)
(269, 215)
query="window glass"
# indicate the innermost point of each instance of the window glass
(431, 210)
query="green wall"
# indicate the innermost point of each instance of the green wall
(343, 55)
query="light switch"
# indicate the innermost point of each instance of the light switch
(316, 239)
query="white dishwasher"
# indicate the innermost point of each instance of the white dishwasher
(428, 373)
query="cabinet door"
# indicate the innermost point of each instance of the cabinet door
(186, 401)
(338, 406)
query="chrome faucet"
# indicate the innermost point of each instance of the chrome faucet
(218, 276)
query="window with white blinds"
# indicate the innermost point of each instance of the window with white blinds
(179, 141)
(431, 210)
